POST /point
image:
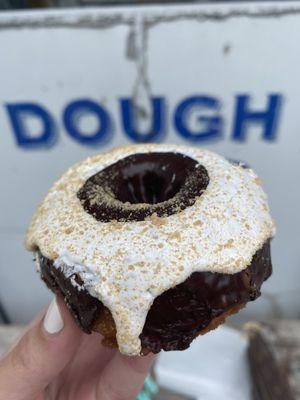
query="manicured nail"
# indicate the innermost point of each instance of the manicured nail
(53, 322)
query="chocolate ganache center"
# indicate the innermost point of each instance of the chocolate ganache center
(140, 185)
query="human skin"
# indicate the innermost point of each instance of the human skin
(54, 360)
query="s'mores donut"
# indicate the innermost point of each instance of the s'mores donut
(152, 245)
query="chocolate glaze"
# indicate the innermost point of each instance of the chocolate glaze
(178, 315)
(84, 307)
(140, 185)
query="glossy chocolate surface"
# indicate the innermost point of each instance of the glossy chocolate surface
(84, 307)
(178, 315)
(143, 184)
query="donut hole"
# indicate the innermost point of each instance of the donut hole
(151, 178)
(137, 186)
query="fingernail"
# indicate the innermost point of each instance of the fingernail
(53, 322)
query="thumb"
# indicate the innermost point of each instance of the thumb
(40, 355)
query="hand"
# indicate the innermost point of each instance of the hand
(54, 360)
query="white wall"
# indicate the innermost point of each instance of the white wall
(53, 58)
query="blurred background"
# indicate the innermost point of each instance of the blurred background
(78, 77)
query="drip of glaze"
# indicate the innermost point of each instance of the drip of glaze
(140, 185)
(178, 315)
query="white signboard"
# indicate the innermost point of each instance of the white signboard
(76, 82)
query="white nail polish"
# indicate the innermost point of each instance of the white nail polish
(53, 322)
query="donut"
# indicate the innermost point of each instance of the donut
(152, 245)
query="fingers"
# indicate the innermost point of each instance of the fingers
(123, 377)
(91, 357)
(40, 354)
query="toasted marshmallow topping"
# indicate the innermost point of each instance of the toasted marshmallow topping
(126, 265)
